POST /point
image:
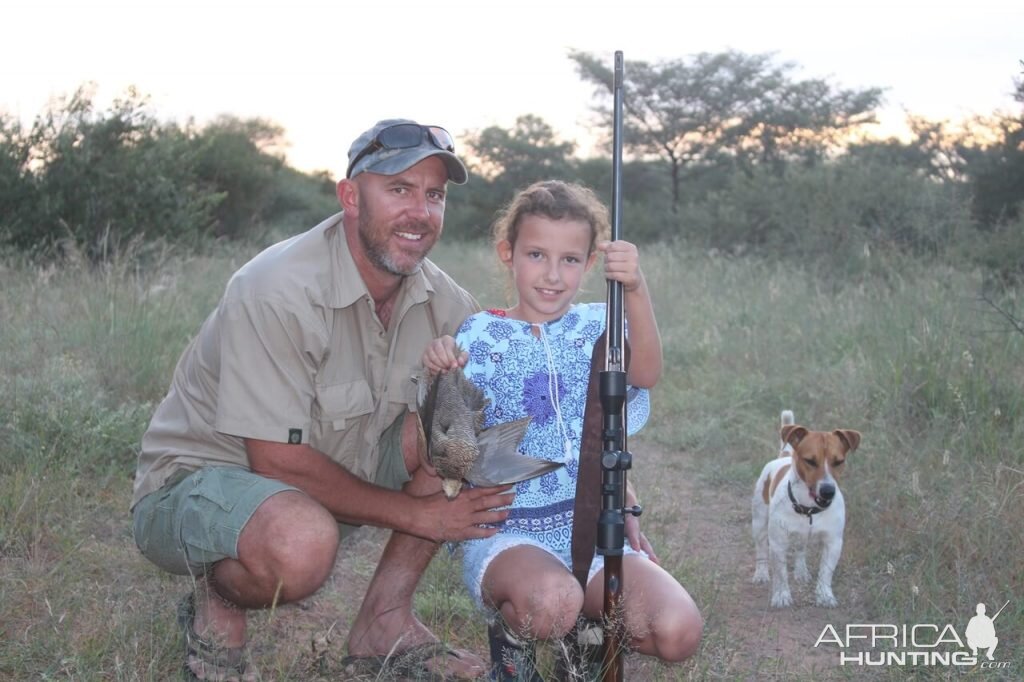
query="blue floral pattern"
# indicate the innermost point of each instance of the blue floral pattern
(511, 366)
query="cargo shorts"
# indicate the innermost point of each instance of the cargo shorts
(196, 518)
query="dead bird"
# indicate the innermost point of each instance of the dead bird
(451, 411)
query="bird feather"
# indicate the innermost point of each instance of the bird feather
(451, 410)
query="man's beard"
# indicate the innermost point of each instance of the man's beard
(375, 247)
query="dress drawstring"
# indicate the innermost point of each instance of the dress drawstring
(553, 391)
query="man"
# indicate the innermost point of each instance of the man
(981, 632)
(292, 411)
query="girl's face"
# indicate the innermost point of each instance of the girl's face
(548, 263)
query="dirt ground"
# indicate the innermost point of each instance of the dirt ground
(702, 535)
(751, 638)
(707, 530)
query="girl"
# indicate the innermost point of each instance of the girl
(533, 359)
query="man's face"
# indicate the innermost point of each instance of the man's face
(401, 216)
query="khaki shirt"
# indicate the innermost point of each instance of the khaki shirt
(295, 353)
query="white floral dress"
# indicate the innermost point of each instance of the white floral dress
(544, 377)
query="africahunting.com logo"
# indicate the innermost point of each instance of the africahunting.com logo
(921, 644)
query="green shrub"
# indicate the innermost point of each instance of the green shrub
(100, 182)
(999, 252)
(834, 213)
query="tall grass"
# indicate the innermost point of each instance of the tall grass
(904, 352)
(914, 360)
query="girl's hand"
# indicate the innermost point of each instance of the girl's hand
(621, 263)
(637, 540)
(443, 354)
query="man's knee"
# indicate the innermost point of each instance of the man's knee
(290, 540)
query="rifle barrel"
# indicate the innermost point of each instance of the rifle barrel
(614, 459)
(615, 320)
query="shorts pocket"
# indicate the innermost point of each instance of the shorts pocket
(142, 523)
(147, 512)
(154, 524)
(222, 486)
(210, 528)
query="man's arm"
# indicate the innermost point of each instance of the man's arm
(352, 500)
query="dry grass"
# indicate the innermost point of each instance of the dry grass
(904, 354)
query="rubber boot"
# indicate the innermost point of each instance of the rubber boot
(580, 658)
(511, 659)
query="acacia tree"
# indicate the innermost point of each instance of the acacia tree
(501, 161)
(520, 155)
(984, 153)
(726, 108)
(997, 171)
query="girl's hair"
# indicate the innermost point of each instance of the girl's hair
(556, 200)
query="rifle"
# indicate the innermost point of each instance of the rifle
(604, 426)
(615, 458)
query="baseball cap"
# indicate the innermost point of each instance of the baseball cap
(396, 144)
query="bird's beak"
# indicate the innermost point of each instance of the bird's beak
(451, 487)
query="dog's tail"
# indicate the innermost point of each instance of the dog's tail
(787, 419)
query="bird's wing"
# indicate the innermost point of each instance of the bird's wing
(426, 402)
(499, 463)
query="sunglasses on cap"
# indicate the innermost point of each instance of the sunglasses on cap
(404, 136)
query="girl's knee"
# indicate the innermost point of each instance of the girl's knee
(548, 608)
(677, 633)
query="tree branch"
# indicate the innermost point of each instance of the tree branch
(1014, 322)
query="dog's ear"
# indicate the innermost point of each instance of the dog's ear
(850, 437)
(792, 434)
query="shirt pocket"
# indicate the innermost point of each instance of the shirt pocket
(403, 387)
(341, 402)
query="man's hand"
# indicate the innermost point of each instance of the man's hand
(462, 518)
(431, 516)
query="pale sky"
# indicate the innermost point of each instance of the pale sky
(326, 71)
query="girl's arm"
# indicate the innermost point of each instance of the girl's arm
(622, 264)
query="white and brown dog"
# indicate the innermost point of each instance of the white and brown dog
(797, 496)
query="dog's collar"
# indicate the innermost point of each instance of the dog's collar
(809, 512)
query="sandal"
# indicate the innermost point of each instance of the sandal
(511, 659)
(204, 660)
(410, 664)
